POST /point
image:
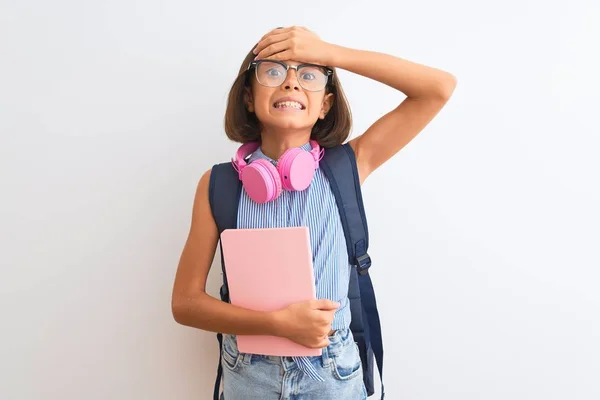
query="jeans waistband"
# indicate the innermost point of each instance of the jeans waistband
(337, 343)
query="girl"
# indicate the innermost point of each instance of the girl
(288, 95)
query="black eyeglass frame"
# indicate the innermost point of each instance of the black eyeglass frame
(287, 67)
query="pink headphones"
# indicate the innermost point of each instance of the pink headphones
(263, 181)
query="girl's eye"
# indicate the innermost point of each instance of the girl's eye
(273, 72)
(307, 76)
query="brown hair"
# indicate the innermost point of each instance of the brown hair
(242, 126)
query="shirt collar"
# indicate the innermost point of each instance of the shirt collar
(259, 154)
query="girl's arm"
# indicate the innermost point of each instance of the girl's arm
(191, 305)
(427, 90)
(306, 323)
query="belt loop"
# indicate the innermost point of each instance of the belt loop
(325, 357)
(247, 358)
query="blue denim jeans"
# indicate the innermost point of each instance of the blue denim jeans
(257, 377)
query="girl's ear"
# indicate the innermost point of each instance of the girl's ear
(248, 99)
(326, 105)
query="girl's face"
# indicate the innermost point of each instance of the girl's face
(287, 106)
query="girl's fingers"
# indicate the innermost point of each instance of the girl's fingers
(282, 56)
(280, 37)
(269, 51)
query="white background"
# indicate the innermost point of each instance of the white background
(485, 229)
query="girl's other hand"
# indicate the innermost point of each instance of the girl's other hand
(307, 323)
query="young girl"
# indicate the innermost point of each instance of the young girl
(286, 96)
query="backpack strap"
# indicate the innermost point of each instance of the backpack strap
(336, 163)
(225, 185)
(224, 193)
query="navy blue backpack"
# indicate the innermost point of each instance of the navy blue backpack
(339, 165)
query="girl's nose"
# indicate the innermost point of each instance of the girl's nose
(291, 80)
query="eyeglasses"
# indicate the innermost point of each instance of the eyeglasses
(272, 73)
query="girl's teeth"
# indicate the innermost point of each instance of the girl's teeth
(289, 104)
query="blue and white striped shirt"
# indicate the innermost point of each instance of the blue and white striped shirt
(315, 208)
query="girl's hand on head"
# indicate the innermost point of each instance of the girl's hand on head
(294, 43)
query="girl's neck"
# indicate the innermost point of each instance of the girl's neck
(274, 145)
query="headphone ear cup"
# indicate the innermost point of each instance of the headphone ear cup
(296, 168)
(261, 181)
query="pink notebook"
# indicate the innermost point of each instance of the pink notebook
(268, 269)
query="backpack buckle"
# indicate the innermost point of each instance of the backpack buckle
(363, 263)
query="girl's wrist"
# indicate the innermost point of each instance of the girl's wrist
(275, 323)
